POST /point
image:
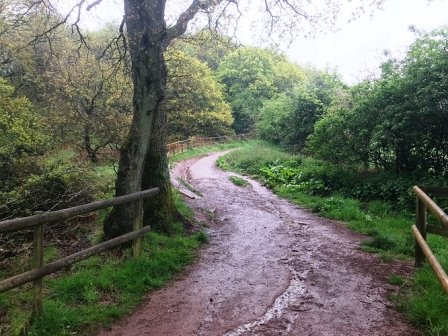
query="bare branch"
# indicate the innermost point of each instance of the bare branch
(182, 22)
(97, 2)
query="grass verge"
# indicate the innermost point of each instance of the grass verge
(238, 181)
(306, 182)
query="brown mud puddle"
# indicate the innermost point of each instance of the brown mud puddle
(271, 268)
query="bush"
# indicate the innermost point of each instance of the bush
(251, 160)
(318, 178)
(47, 189)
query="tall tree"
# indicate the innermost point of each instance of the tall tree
(86, 98)
(206, 45)
(143, 161)
(253, 75)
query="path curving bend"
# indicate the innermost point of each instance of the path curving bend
(271, 268)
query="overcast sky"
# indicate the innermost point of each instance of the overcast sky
(358, 45)
(356, 49)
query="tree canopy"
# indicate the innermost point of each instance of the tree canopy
(251, 76)
(194, 100)
(398, 121)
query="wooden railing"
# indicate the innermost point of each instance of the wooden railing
(38, 221)
(181, 146)
(420, 230)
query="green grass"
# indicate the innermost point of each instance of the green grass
(184, 210)
(397, 280)
(61, 155)
(238, 181)
(100, 289)
(249, 158)
(308, 184)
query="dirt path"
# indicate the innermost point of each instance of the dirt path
(271, 268)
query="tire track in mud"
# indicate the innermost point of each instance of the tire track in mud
(271, 268)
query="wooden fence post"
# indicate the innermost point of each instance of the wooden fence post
(138, 223)
(421, 226)
(38, 262)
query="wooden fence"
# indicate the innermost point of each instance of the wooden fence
(181, 146)
(420, 230)
(37, 222)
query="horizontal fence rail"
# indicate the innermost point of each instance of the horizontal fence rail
(28, 222)
(37, 221)
(420, 230)
(181, 146)
(59, 264)
(441, 275)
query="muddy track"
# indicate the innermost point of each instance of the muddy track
(271, 268)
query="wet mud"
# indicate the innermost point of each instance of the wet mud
(270, 268)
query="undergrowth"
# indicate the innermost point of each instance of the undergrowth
(379, 205)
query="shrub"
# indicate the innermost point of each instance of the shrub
(47, 189)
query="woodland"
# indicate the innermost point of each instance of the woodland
(84, 116)
(65, 95)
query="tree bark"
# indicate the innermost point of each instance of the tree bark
(159, 211)
(143, 161)
(88, 147)
(146, 30)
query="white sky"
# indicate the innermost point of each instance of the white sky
(356, 48)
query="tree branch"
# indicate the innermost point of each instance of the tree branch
(182, 22)
(97, 2)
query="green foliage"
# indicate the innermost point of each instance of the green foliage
(251, 158)
(86, 99)
(207, 46)
(288, 119)
(195, 101)
(398, 122)
(48, 188)
(291, 178)
(251, 76)
(19, 126)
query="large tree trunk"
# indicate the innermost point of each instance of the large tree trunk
(160, 211)
(146, 30)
